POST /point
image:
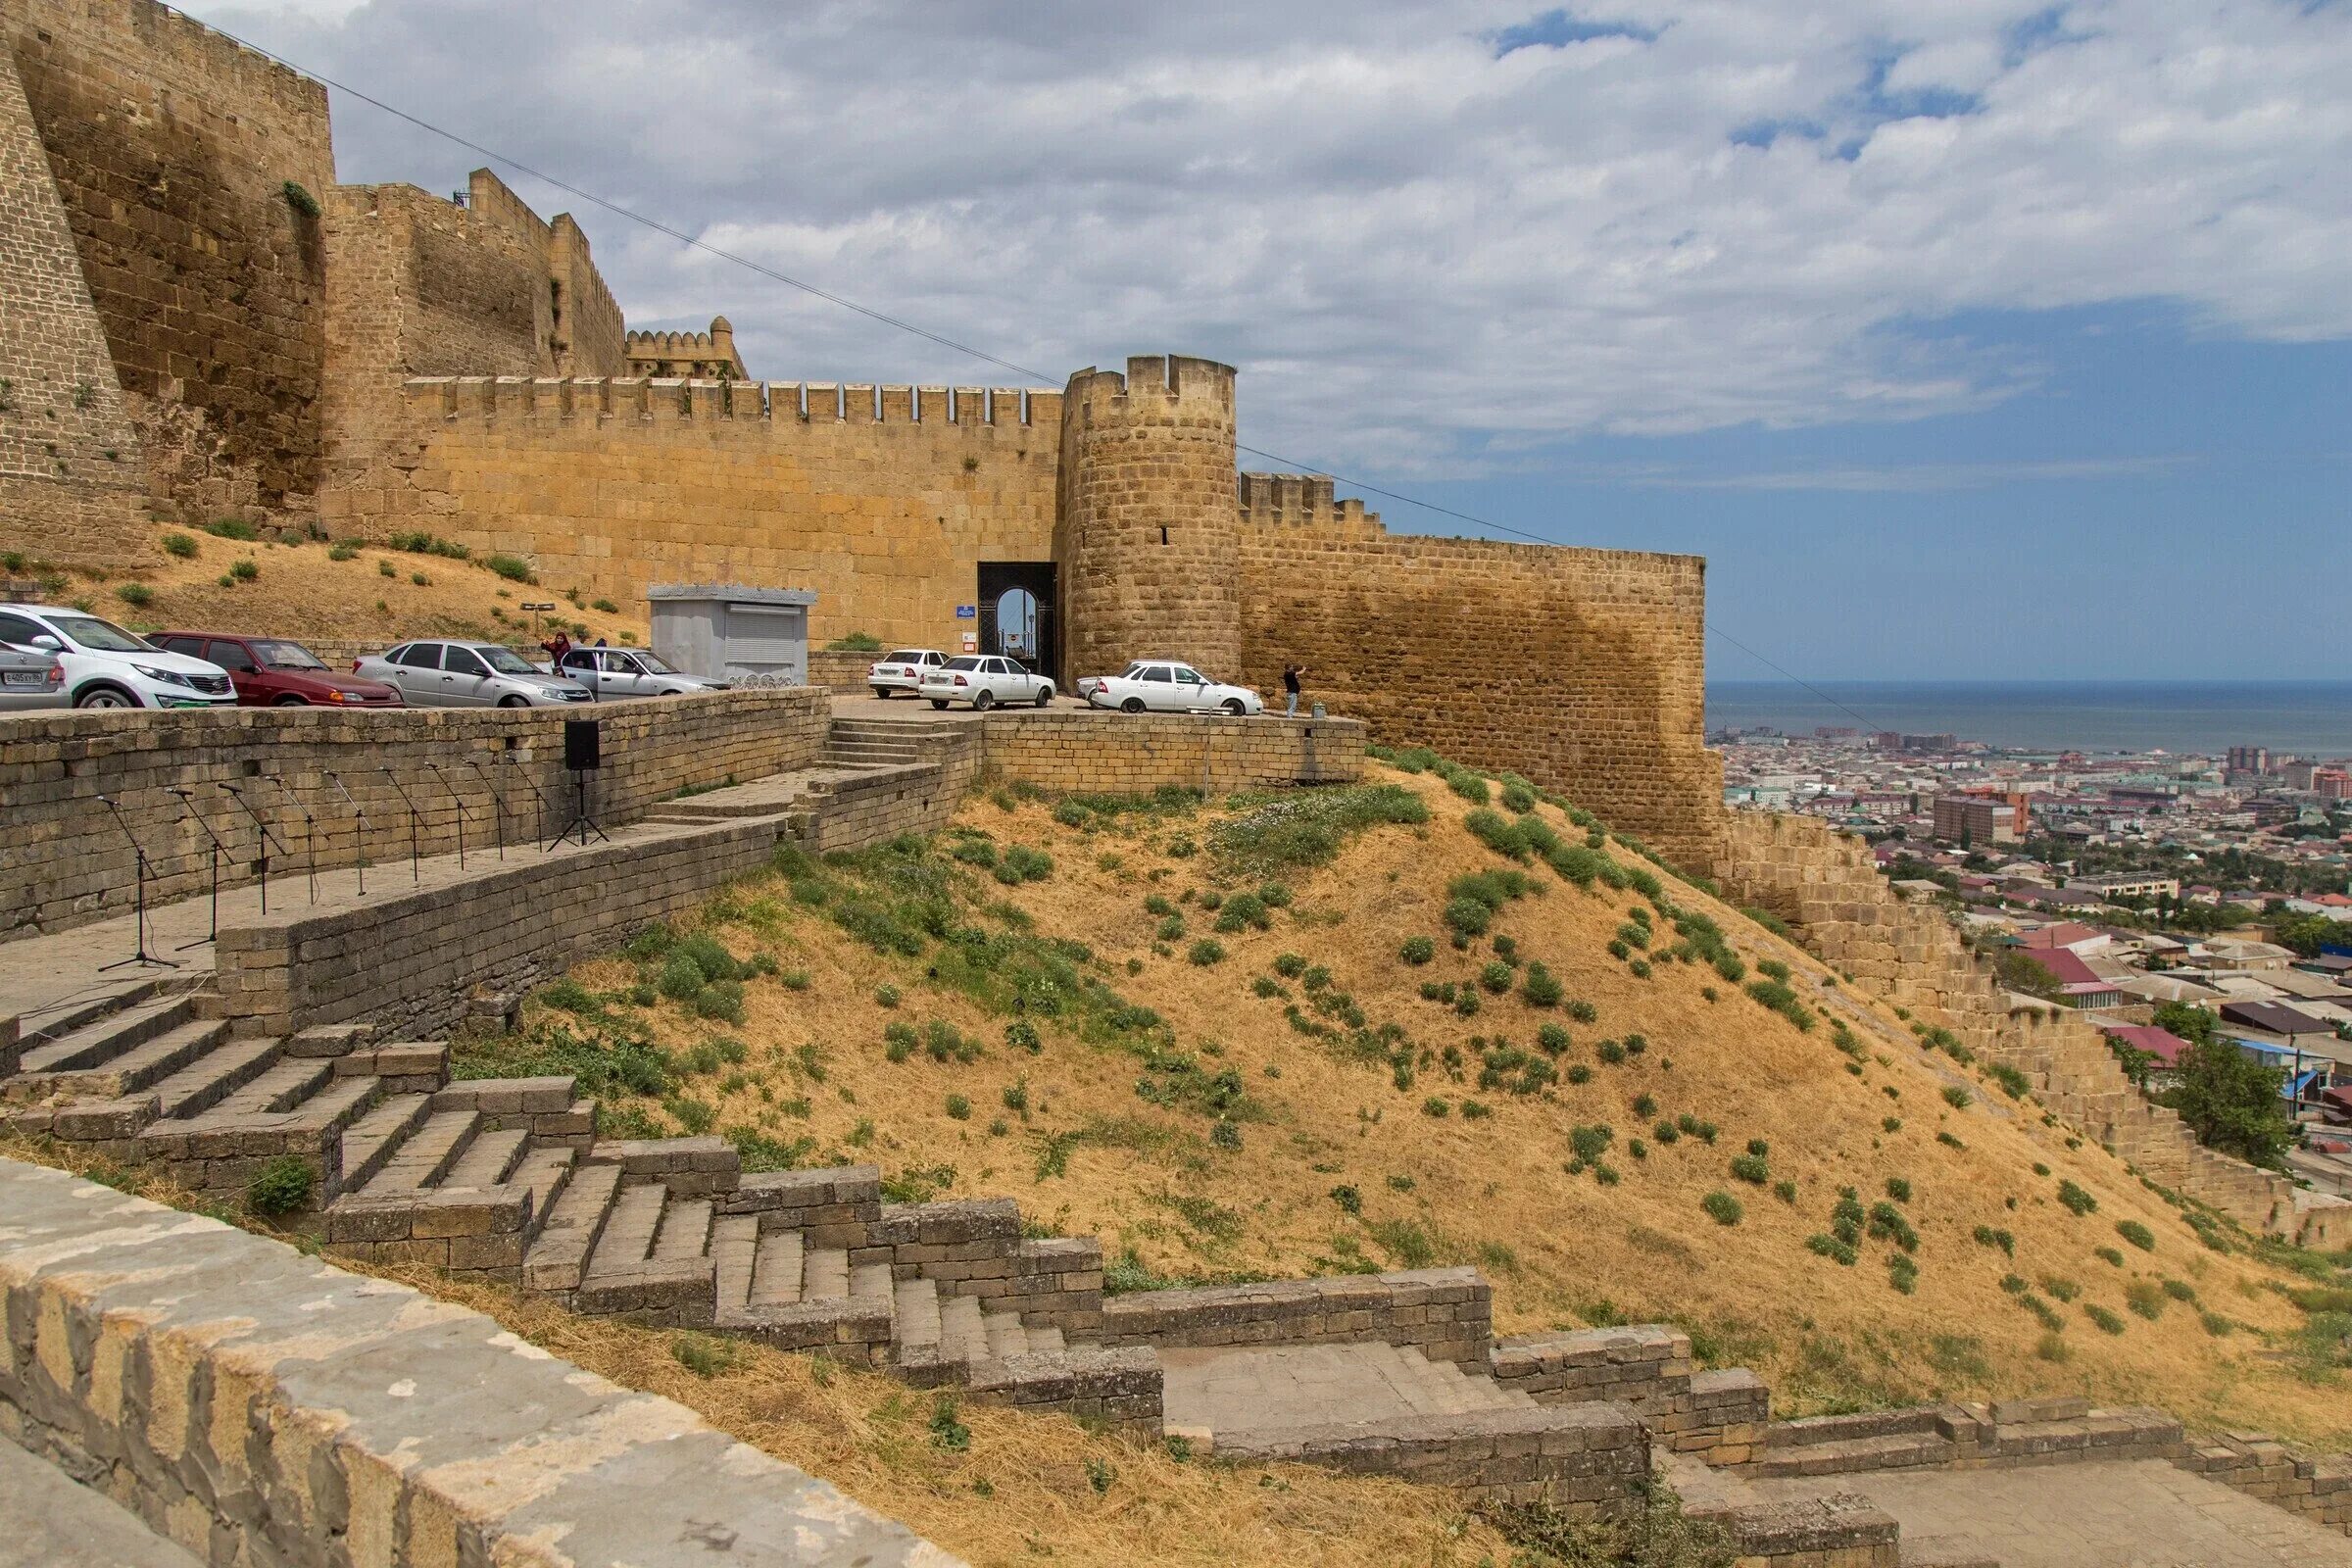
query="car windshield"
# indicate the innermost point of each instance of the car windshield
(965, 662)
(503, 659)
(905, 656)
(654, 664)
(288, 656)
(103, 636)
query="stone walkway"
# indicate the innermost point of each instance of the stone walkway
(2128, 1514)
(1228, 1391)
(49, 1521)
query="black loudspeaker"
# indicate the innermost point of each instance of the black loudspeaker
(583, 745)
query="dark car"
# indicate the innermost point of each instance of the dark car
(276, 672)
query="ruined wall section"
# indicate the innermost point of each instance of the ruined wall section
(171, 148)
(883, 504)
(1827, 886)
(71, 483)
(1583, 670)
(1148, 536)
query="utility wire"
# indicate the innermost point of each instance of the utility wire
(904, 325)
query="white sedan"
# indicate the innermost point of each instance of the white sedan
(984, 680)
(901, 670)
(1167, 686)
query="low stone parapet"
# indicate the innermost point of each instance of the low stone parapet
(1591, 1461)
(2261, 1466)
(354, 1420)
(1838, 1531)
(690, 1167)
(835, 1208)
(1446, 1314)
(1645, 1366)
(1118, 1388)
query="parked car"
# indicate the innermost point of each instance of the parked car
(105, 667)
(1167, 686)
(30, 681)
(431, 673)
(902, 670)
(276, 672)
(984, 680)
(631, 672)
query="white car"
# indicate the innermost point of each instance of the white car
(1167, 686)
(612, 673)
(984, 680)
(106, 666)
(903, 669)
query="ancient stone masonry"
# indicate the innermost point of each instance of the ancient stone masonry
(1827, 887)
(70, 474)
(174, 149)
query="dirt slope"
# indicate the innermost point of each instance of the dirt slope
(299, 591)
(1317, 1151)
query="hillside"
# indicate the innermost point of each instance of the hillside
(299, 588)
(1196, 1030)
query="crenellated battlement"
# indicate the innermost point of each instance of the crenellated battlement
(591, 399)
(173, 41)
(1154, 382)
(1304, 499)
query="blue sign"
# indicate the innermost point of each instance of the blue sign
(967, 612)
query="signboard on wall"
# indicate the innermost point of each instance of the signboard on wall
(971, 642)
(967, 612)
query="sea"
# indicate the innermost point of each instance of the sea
(2309, 717)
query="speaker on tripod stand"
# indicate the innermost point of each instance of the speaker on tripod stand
(583, 756)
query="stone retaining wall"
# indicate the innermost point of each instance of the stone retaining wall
(67, 862)
(1645, 1367)
(1589, 1460)
(1446, 1313)
(1067, 750)
(253, 1404)
(2260, 1466)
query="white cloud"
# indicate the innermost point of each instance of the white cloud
(1417, 251)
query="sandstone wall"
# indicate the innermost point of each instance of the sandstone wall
(267, 1408)
(72, 480)
(1069, 750)
(1583, 670)
(1146, 531)
(613, 485)
(1827, 887)
(68, 863)
(173, 148)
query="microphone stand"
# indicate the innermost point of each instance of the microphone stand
(416, 876)
(359, 831)
(538, 799)
(139, 953)
(310, 854)
(497, 804)
(215, 849)
(267, 839)
(458, 801)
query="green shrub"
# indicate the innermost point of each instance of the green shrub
(511, 567)
(1748, 1169)
(1435, 1106)
(1468, 916)
(2109, 1256)
(1987, 1236)
(1021, 863)
(244, 568)
(959, 1108)
(1290, 965)
(2180, 1290)
(385, 569)
(2107, 1321)
(2138, 1235)
(1899, 1189)
(2065, 1289)
(282, 1185)
(1891, 1124)
(605, 606)
(1902, 1273)
(856, 642)
(1474, 1110)
(1666, 1132)
(1021, 1034)
(1784, 1190)
(135, 594)
(886, 995)
(1540, 987)
(1956, 1096)
(1205, 951)
(1833, 1247)
(1348, 1198)
(2076, 1198)
(1417, 951)
(1723, 1208)
(237, 528)
(1244, 912)
(179, 546)
(1591, 1142)
(1496, 977)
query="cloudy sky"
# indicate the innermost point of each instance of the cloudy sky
(1968, 338)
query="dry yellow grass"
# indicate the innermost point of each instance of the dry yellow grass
(1024, 1490)
(1562, 1248)
(300, 593)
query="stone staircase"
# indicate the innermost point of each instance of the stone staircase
(874, 742)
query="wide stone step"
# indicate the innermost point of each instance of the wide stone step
(277, 1088)
(144, 1064)
(558, 1260)
(1894, 1452)
(1005, 1334)
(914, 1317)
(825, 1275)
(962, 1332)
(735, 1249)
(545, 1173)
(372, 1138)
(489, 1159)
(422, 1158)
(685, 1230)
(112, 1033)
(628, 1238)
(776, 1271)
(215, 1075)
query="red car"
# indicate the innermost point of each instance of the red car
(276, 672)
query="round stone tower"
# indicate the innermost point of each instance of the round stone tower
(1148, 538)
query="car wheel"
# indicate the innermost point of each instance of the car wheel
(939, 702)
(982, 702)
(1133, 704)
(882, 693)
(103, 697)
(1044, 697)
(290, 702)
(1233, 707)
(514, 701)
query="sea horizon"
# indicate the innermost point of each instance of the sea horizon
(2305, 718)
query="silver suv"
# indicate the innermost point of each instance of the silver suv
(106, 666)
(453, 674)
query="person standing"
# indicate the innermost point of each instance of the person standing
(1290, 687)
